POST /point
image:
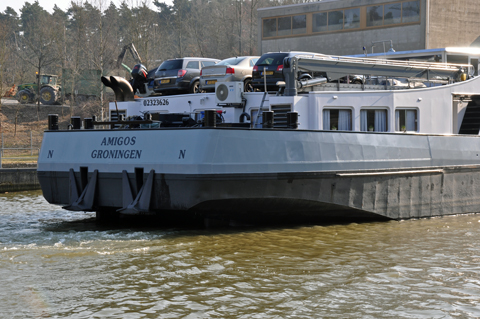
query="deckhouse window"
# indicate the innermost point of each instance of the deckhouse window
(373, 120)
(337, 119)
(406, 120)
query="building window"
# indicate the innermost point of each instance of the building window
(406, 120)
(411, 11)
(337, 120)
(393, 14)
(284, 26)
(299, 24)
(269, 28)
(352, 19)
(335, 20)
(373, 120)
(374, 16)
(389, 14)
(320, 22)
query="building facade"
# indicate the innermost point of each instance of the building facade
(345, 27)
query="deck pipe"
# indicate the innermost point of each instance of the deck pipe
(122, 89)
(289, 73)
(124, 86)
(312, 82)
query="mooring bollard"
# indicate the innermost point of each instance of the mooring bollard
(267, 119)
(292, 120)
(76, 121)
(210, 118)
(53, 122)
(88, 123)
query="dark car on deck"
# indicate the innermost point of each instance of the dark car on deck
(272, 64)
(180, 75)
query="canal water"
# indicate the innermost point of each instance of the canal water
(60, 264)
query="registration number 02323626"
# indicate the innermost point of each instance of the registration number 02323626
(155, 102)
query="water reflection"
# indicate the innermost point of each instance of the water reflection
(63, 264)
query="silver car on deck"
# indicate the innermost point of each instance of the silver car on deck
(231, 69)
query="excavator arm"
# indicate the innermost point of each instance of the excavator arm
(130, 47)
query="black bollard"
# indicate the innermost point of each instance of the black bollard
(53, 122)
(267, 117)
(88, 123)
(76, 122)
(292, 120)
(210, 118)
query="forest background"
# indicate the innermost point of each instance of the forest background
(91, 35)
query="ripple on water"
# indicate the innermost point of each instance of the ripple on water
(62, 264)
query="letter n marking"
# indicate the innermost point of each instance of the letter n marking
(182, 154)
(50, 154)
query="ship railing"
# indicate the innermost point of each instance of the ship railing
(452, 67)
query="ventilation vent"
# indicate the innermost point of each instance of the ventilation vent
(114, 117)
(280, 115)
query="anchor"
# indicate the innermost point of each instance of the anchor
(86, 200)
(141, 204)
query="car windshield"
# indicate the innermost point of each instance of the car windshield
(272, 59)
(171, 65)
(231, 61)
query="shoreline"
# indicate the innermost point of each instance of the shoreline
(18, 179)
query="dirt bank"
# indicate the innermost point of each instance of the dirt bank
(22, 126)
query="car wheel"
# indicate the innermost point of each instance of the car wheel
(248, 87)
(195, 88)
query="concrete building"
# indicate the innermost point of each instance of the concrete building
(345, 27)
